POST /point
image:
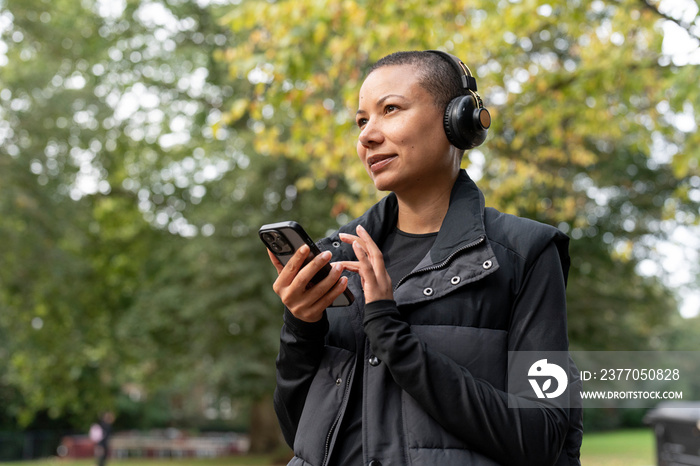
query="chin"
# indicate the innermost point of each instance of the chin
(381, 183)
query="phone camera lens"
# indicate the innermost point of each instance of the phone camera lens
(277, 242)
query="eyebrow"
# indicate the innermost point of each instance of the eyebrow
(381, 101)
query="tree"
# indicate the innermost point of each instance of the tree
(590, 129)
(68, 225)
(142, 143)
(87, 140)
(132, 270)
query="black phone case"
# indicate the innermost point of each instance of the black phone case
(295, 237)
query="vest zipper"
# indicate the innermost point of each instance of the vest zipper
(335, 423)
(477, 242)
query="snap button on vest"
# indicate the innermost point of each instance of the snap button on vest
(336, 244)
(455, 280)
(374, 361)
(375, 463)
(338, 381)
(488, 264)
(427, 292)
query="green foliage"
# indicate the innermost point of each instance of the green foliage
(585, 132)
(141, 149)
(132, 274)
(570, 86)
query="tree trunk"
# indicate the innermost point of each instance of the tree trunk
(265, 434)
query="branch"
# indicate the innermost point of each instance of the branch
(685, 26)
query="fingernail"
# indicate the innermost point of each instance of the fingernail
(361, 228)
(325, 255)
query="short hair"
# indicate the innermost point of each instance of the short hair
(436, 74)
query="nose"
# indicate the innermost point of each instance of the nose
(370, 134)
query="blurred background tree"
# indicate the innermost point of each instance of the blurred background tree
(142, 143)
(594, 124)
(132, 276)
(131, 271)
(595, 128)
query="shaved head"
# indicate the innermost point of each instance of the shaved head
(436, 75)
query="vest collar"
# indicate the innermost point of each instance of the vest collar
(463, 223)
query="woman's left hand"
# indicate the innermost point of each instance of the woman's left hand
(376, 282)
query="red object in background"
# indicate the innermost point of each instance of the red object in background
(76, 446)
(170, 443)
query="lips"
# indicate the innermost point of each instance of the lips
(378, 161)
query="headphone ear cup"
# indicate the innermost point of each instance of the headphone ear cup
(466, 123)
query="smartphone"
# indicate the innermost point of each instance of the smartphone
(284, 238)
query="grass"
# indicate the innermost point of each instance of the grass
(618, 448)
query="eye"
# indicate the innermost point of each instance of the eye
(361, 122)
(390, 108)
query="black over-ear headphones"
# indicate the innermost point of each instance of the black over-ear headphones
(466, 121)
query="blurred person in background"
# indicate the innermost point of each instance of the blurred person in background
(100, 434)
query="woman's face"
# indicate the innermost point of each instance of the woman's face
(402, 142)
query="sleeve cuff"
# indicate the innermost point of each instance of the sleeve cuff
(381, 308)
(304, 329)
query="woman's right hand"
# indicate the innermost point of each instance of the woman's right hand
(306, 300)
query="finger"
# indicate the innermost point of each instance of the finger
(347, 238)
(276, 262)
(314, 311)
(350, 266)
(337, 289)
(366, 270)
(376, 280)
(295, 264)
(367, 242)
(312, 268)
(360, 251)
(373, 251)
(325, 285)
(350, 239)
(310, 301)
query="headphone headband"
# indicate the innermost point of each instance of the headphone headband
(468, 81)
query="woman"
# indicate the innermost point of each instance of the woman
(414, 371)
